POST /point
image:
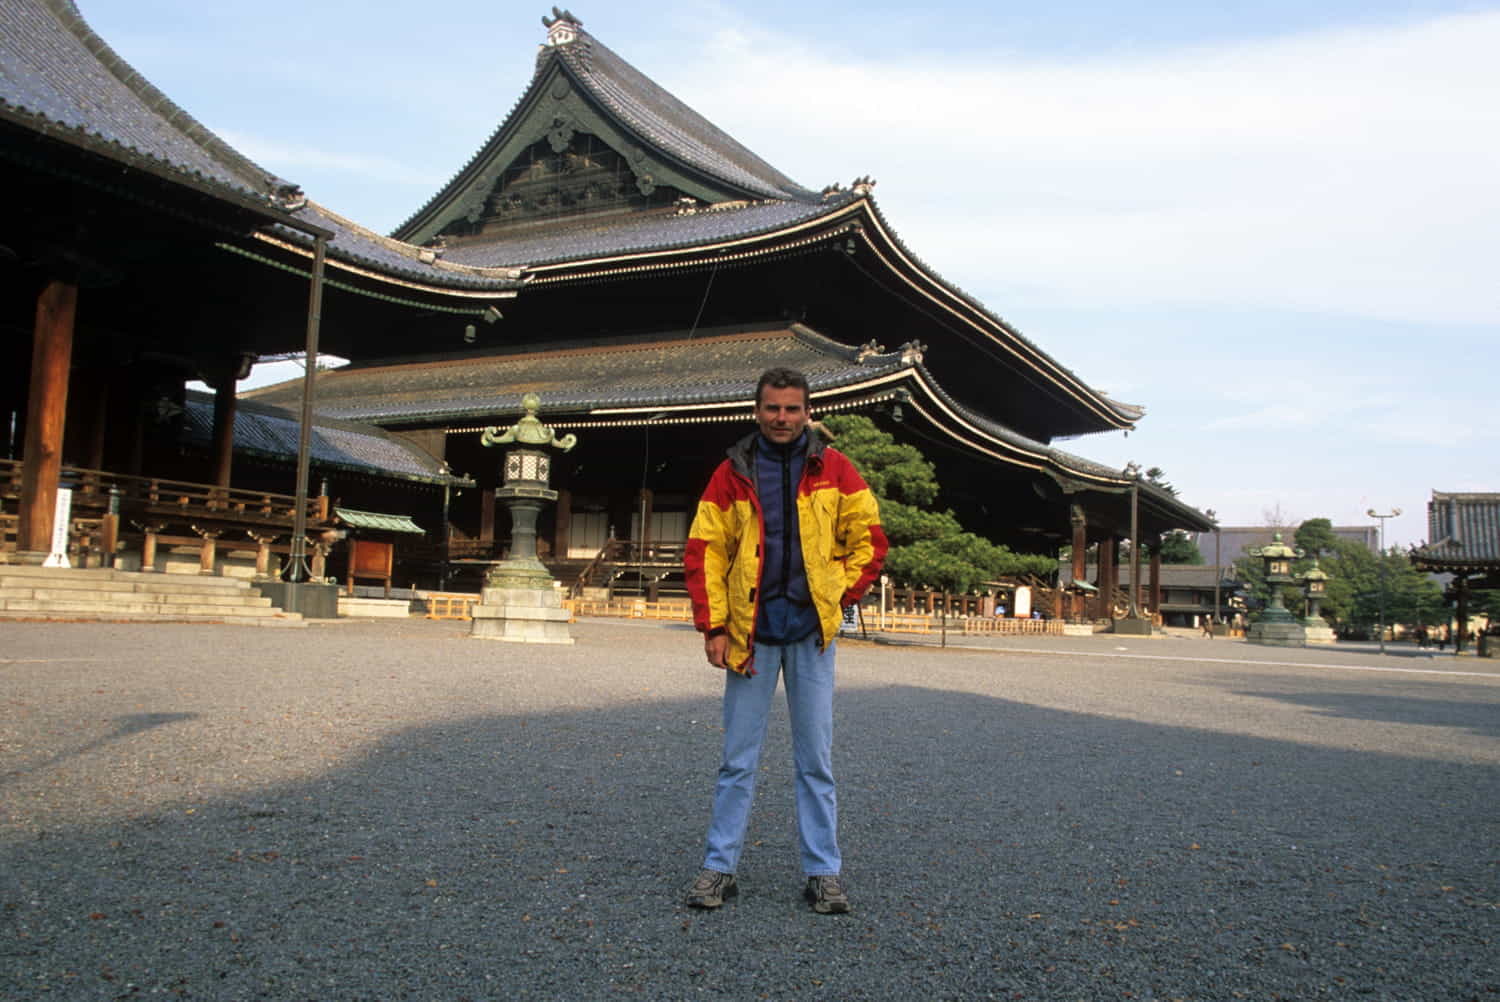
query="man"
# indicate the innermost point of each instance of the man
(786, 536)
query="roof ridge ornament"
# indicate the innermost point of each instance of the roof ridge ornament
(911, 352)
(868, 349)
(562, 27)
(862, 186)
(289, 197)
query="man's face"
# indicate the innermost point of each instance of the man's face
(782, 413)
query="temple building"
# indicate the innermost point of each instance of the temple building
(1463, 529)
(606, 248)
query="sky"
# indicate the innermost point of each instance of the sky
(1274, 225)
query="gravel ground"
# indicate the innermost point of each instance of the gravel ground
(379, 810)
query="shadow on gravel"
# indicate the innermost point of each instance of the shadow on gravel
(1475, 716)
(124, 727)
(995, 850)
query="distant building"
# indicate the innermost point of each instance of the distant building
(1465, 533)
(1187, 592)
(1234, 540)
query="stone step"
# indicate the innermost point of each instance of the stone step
(132, 596)
(111, 579)
(277, 618)
(143, 603)
(103, 594)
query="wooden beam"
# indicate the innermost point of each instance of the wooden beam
(46, 414)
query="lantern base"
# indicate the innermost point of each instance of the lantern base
(519, 572)
(1319, 632)
(1274, 633)
(521, 616)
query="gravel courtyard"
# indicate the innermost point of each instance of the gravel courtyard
(391, 810)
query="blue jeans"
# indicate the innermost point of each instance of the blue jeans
(808, 675)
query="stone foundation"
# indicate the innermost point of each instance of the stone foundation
(521, 616)
(1277, 634)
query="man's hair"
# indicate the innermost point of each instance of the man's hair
(781, 378)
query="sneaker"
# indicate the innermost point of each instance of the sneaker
(827, 894)
(711, 888)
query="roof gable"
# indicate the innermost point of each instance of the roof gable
(593, 136)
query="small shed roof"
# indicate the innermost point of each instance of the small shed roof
(378, 521)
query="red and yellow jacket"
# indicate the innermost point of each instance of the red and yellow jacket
(843, 545)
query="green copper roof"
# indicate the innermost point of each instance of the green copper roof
(377, 520)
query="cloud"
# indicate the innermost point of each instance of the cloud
(1346, 171)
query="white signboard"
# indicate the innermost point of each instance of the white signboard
(62, 515)
(1023, 603)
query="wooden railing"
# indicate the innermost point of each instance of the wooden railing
(108, 505)
(628, 554)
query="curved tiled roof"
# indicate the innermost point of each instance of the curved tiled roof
(638, 234)
(641, 108)
(273, 433)
(58, 77)
(359, 246)
(1127, 413)
(667, 123)
(655, 374)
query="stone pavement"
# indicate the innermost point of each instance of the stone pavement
(389, 809)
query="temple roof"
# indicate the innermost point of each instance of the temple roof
(272, 433)
(615, 237)
(581, 85)
(681, 373)
(1465, 533)
(659, 117)
(356, 247)
(58, 77)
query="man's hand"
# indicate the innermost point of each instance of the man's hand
(717, 650)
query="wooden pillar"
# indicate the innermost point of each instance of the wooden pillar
(562, 523)
(1156, 577)
(644, 506)
(487, 515)
(1461, 583)
(99, 391)
(1108, 579)
(263, 542)
(208, 549)
(46, 414)
(223, 444)
(1080, 561)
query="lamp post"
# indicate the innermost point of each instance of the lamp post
(1218, 571)
(1135, 538)
(1375, 514)
(1133, 622)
